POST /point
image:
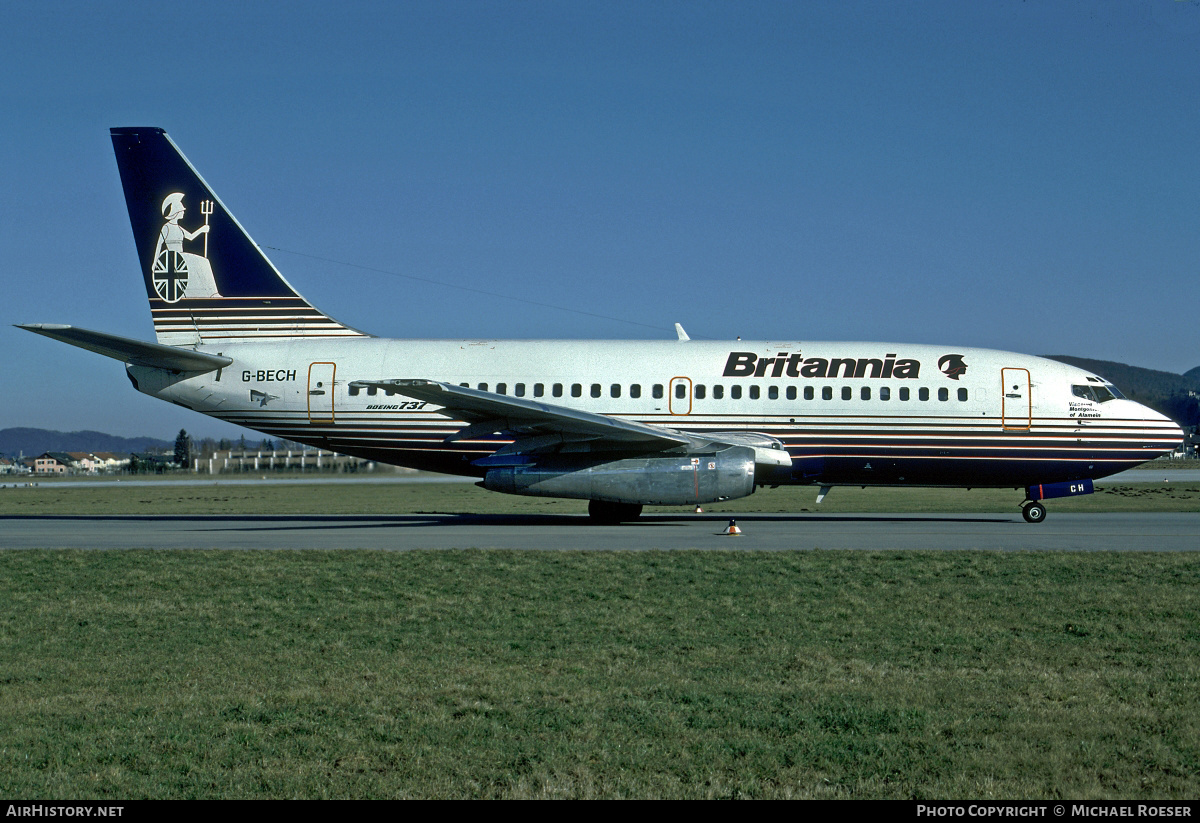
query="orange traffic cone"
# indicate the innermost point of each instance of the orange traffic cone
(698, 509)
(732, 528)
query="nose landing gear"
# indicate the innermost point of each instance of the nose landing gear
(1033, 511)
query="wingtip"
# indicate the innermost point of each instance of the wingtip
(41, 326)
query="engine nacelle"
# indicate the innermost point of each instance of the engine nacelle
(685, 479)
(772, 463)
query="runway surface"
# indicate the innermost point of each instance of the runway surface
(761, 532)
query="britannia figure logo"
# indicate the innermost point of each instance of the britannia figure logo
(952, 366)
(178, 274)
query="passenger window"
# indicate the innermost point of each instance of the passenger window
(866, 392)
(519, 390)
(465, 385)
(718, 392)
(962, 394)
(482, 387)
(827, 392)
(615, 390)
(922, 394)
(700, 391)
(557, 390)
(808, 392)
(538, 389)
(773, 392)
(754, 392)
(735, 392)
(847, 392)
(635, 391)
(943, 394)
(885, 393)
(680, 391)
(597, 391)
(904, 393)
(791, 392)
(576, 390)
(657, 391)
(502, 388)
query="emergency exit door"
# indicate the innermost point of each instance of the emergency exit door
(679, 400)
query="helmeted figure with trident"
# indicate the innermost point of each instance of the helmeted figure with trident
(178, 274)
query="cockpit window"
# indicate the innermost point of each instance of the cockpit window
(1098, 394)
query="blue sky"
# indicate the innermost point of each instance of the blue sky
(1021, 176)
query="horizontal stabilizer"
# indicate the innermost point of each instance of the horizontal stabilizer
(137, 352)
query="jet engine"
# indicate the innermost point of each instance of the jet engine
(666, 480)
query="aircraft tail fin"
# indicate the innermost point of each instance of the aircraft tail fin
(207, 280)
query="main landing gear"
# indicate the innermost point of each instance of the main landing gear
(610, 514)
(1033, 511)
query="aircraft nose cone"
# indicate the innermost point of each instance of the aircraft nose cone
(1166, 431)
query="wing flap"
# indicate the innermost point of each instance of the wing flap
(488, 412)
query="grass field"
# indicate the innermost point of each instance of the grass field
(638, 674)
(488, 674)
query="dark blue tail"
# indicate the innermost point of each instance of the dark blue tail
(206, 279)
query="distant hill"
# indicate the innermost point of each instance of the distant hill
(35, 441)
(1163, 391)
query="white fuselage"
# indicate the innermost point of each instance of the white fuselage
(861, 413)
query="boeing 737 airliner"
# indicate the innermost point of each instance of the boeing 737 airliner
(621, 424)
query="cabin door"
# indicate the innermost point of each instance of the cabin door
(1016, 410)
(320, 392)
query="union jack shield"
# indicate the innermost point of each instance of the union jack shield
(170, 274)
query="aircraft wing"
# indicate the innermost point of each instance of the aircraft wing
(131, 351)
(488, 412)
